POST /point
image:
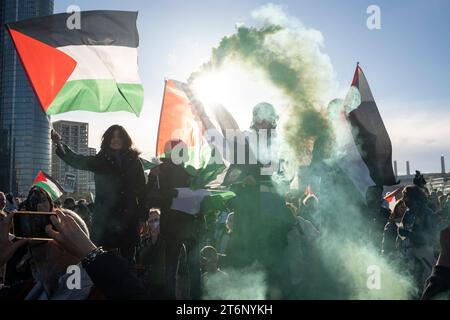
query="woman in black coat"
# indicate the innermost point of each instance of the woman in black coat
(120, 189)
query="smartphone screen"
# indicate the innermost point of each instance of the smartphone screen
(31, 225)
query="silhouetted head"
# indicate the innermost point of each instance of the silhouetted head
(264, 116)
(69, 203)
(419, 180)
(171, 144)
(176, 150)
(414, 196)
(10, 198)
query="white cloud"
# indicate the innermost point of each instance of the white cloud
(419, 132)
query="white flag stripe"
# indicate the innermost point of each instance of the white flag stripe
(104, 62)
(188, 200)
(350, 160)
(54, 187)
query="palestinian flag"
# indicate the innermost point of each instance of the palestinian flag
(148, 165)
(370, 133)
(93, 68)
(184, 119)
(216, 200)
(345, 150)
(392, 197)
(49, 185)
(201, 201)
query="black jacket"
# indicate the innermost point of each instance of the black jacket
(120, 194)
(162, 190)
(438, 283)
(114, 277)
(420, 226)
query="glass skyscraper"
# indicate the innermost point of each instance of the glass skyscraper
(25, 146)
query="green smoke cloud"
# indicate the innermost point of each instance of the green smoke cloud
(336, 264)
(290, 57)
(244, 284)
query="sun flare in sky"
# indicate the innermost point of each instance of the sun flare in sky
(238, 87)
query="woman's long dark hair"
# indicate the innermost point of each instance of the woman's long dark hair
(128, 144)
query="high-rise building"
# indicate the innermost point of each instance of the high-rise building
(25, 146)
(75, 136)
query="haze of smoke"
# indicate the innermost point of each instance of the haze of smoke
(290, 56)
(349, 256)
(350, 239)
(338, 263)
(336, 267)
(245, 284)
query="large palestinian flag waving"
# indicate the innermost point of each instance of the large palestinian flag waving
(201, 128)
(49, 185)
(370, 133)
(185, 119)
(93, 68)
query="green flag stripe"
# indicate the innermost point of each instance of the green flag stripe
(98, 95)
(216, 200)
(53, 194)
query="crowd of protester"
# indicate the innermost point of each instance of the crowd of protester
(131, 244)
(416, 231)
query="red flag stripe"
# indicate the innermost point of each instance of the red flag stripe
(40, 178)
(356, 76)
(47, 68)
(394, 194)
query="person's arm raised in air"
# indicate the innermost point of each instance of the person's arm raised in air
(73, 159)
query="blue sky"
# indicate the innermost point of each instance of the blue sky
(407, 61)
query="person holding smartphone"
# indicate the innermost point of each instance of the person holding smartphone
(105, 275)
(120, 189)
(17, 268)
(48, 261)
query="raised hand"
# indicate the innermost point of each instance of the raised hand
(69, 236)
(56, 138)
